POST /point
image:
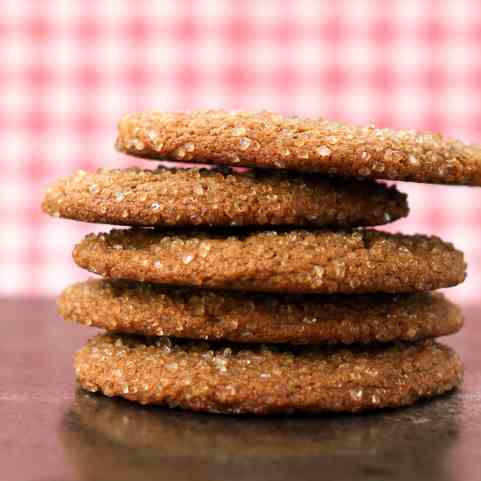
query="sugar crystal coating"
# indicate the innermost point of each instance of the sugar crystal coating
(269, 140)
(221, 197)
(298, 261)
(153, 310)
(266, 379)
(248, 376)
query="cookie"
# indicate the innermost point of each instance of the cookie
(262, 380)
(221, 197)
(151, 310)
(313, 145)
(298, 261)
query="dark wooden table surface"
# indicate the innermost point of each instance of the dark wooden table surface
(52, 432)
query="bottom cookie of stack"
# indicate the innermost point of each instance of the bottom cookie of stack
(264, 379)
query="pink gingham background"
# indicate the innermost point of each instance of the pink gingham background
(70, 69)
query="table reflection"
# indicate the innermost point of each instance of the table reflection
(108, 439)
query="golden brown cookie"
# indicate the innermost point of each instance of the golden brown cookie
(153, 310)
(299, 261)
(221, 197)
(314, 145)
(262, 380)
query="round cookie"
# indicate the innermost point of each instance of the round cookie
(152, 310)
(263, 380)
(221, 197)
(298, 261)
(269, 140)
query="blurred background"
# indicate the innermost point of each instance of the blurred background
(70, 69)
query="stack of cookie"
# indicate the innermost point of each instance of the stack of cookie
(256, 291)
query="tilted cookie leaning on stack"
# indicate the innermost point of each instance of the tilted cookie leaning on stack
(255, 291)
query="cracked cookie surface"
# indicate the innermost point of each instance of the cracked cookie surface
(268, 140)
(265, 379)
(221, 197)
(153, 310)
(299, 261)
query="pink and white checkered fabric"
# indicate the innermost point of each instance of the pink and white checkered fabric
(69, 70)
